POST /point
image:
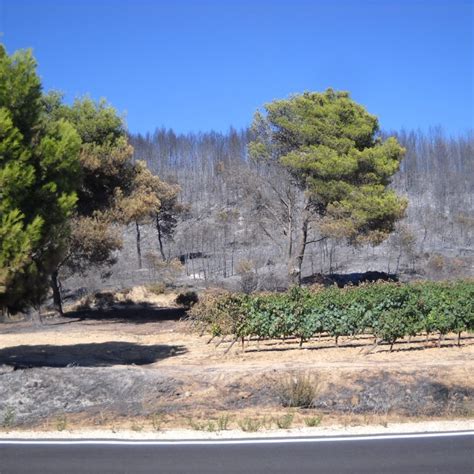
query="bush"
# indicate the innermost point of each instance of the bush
(296, 391)
(284, 422)
(104, 300)
(187, 299)
(246, 269)
(313, 421)
(250, 424)
(221, 312)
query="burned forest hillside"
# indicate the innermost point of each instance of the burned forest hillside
(232, 228)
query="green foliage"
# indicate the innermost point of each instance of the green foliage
(250, 425)
(66, 176)
(389, 311)
(105, 157)
(39, 171)
(285, 421)
(61, 422)
(9, 417)
(329, 143)
(223, 422)
(313, 421)
(20, 90)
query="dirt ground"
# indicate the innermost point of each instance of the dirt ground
(134, 361)
(162, 340)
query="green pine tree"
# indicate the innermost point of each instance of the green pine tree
(38, 178)
(331, 147)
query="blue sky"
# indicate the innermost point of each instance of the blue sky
(201, 65)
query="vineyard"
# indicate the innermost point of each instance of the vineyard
(387, 311)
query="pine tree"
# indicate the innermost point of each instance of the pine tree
(38, 178)
(114, 189)
(329, 145)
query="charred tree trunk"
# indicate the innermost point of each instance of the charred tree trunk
(139, 247)
(160, 238)
(56, 287)
(290, 234)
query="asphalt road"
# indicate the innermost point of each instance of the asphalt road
(441, 453)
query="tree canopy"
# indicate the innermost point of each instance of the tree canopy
(330, 146)
(39, 172)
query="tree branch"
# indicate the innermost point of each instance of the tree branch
(316, 240)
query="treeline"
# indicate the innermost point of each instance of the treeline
(234, 218)
(431, 158)
(388, 311)
(429, 153)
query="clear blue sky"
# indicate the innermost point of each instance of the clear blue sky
(200, 65)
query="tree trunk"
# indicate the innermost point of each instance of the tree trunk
(4, 314)
(57, 298)
(36, 316)
(290, 233)
(160, 238)
(296, 261)
(139, 248)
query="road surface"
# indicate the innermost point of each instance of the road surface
(444, 453)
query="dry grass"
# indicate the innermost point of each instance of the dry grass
(297, 390)
(249, 421)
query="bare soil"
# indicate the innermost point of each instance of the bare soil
(142, 364)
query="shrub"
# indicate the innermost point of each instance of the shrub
(61, 422)
(221, 312)
(104, 300)
(313, 421)
(8, 417)
(296, 391)
(187, 299)
(223, 422)
(250, 424)
(157, 421)
(284, 422)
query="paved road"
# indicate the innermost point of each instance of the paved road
(442, 453)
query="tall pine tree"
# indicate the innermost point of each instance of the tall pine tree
(330, 146)
(39, 171)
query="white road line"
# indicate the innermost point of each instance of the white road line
(232, 441)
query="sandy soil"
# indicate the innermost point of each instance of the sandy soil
(193, 351)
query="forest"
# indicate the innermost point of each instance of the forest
(234, 226)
